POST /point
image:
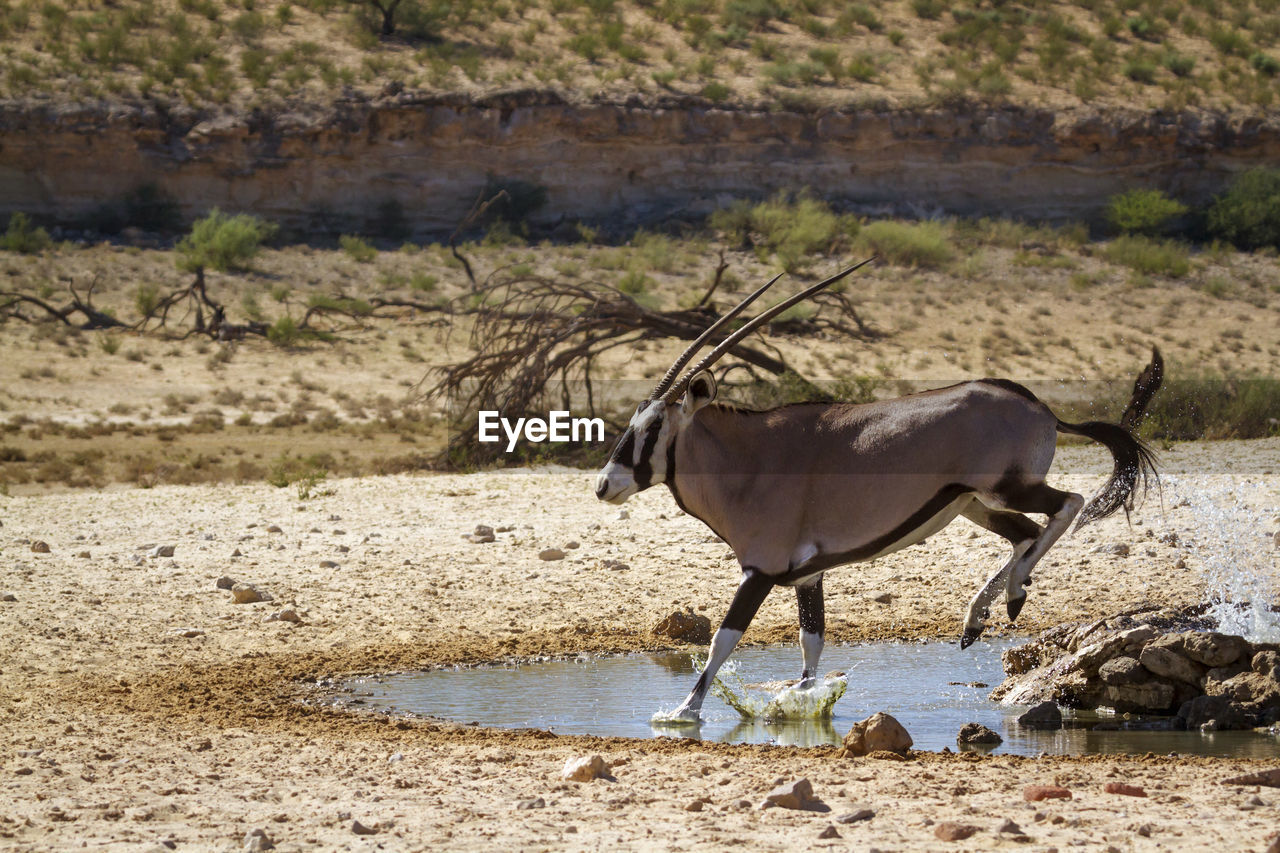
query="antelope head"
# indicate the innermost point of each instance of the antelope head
(640, 459)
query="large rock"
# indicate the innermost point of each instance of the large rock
(1123, 670)
(878, 732)
(1205, 647)
(1215, 713)
(686, 626)
(977, 733)
(1166, 663)
(1153, 696)
(1042, 716)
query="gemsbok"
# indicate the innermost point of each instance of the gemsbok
(800, 489)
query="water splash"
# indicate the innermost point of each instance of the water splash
(1239, 563)
(814, 701)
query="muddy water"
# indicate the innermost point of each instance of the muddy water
(931, 688)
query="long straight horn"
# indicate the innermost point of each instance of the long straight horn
(756, 322)
(693, 348)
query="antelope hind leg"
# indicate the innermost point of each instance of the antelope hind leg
(1022, 533)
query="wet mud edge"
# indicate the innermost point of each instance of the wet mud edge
(270, 693)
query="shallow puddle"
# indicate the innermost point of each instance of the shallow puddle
(931, 688)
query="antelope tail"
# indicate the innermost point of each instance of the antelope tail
(1135, 463)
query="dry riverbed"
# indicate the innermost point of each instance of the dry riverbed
(140, 706)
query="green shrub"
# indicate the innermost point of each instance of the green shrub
(1265, 63)
(1214, 408)
(716, 92)
(921, 244)
(793, 228)
(1143, 212)
(222, 242)
(357, 249)
(146, 298)
(1148, 256)
(23, 237)
(1248, 214)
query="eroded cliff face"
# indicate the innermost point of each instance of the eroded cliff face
(332, 168)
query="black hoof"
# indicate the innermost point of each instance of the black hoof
(1015, 606)
(968, 637)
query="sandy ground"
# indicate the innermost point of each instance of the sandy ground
(139, 706)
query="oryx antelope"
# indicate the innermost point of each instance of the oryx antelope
(803, 488)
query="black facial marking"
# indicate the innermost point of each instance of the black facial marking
(626, 447)
(644, 467)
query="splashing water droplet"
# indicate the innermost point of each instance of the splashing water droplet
(1239, 563)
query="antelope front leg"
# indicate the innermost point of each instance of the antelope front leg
(746, 601)
(813, 627)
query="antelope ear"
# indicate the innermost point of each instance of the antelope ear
(702, 390)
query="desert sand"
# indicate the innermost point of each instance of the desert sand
(142, 707)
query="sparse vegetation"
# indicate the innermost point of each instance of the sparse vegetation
(24, 237)
(229, 52)
(1248, 214)
(919, 244)
(223, 242)
(1146, 212)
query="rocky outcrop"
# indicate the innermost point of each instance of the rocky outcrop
(333, 167)
(1157, 663)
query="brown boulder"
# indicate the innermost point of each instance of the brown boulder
(1122, 670)
(686, 626)
(877, 732)
(1168, 664)
(1207, 647)
(1152, 696)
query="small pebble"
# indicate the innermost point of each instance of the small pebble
(949, 831)
(572, 545)
(40, 547)
(328, 564)
(1126, 790)
(161, 551)
(829, 832)
(274, 528)
(551, 554)
(246, 593)
(360, 829)
(224, 582)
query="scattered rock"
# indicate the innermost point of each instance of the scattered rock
(881, 597)
(829, 832)
(977, 733)
(360, 829)
(1120, 549)
(623, 515)
(572, 545)
(84, 555)
(247, 593)
(328, 564)
(880, 731)
(551, 554)
(1125, 790)
(614, 566)
(1008, 826)
(1207, 647)
(531, 803)
(697, 805)
(794, 795)
(8, 596)
(256, 840)
(685, 626)
(236, 553)
(949, 831)
(1266, 778)
(585, 768)
(1036, 793)
(39, 547)
(288, 614)
(224, 582)
(856, 815)
(483, 533)
(1042, 716)
(161, 551)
